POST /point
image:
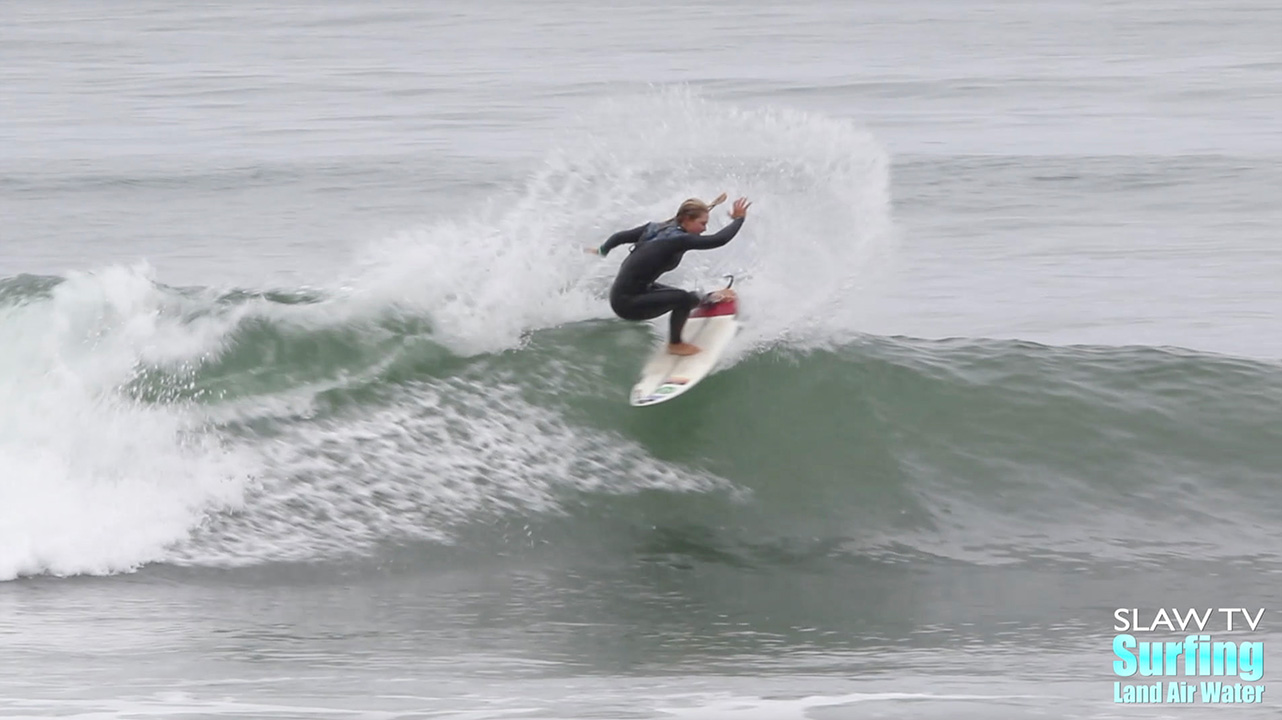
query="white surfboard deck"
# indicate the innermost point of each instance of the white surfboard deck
(666, 376)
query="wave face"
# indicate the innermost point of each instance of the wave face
(462, 389)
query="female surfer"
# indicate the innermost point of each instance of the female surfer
(657, 249)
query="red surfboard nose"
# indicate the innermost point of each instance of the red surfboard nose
(725, 307)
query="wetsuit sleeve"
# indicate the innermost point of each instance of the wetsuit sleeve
(622, 237)
(715, 240)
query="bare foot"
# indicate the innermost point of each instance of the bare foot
(717, 296)
(682, 348)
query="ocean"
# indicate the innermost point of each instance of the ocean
(312, 404)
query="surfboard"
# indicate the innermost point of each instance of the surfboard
(666, 376)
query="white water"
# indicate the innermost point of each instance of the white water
(93, 481)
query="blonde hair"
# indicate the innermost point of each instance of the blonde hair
(691, 208)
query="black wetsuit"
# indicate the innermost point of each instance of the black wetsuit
(636, 296)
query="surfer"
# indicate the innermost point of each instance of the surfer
(657, 249)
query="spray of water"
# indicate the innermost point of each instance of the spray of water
(818, 232)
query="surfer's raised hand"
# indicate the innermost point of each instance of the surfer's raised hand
(592, 250)
(740, 208)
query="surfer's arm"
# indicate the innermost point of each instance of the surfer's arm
(620, 238)
(715, 240)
